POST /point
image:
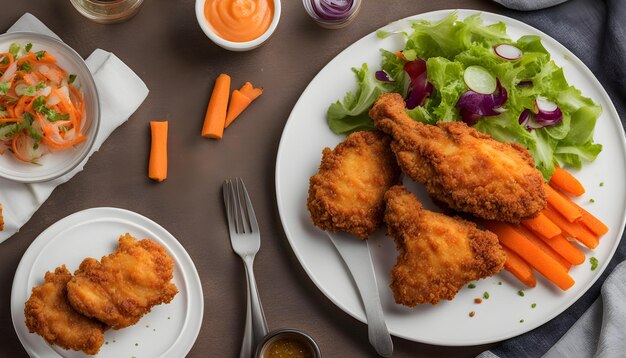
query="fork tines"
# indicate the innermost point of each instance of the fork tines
(239, 211)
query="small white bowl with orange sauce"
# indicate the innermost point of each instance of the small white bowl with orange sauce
(238, 25)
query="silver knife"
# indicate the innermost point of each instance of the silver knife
(356, 255)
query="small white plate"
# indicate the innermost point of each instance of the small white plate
(448, 323)
(169, 330)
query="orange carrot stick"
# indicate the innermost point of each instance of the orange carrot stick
(542, 226)
(563, 180)
(542, 243)
(532, 254)
(569, 211)
(589, 221)
(238, 102)
(519, 268)
(575, 230)
(157, 167)
(251, 92)
(216, 111)
(10, 120)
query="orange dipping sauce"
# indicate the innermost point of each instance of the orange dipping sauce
(239, 20)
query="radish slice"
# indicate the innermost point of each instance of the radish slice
(543, 105)
(508, 52)
(479, 80)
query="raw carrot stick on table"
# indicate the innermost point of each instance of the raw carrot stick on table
(575, 230)
(556, 250)
(542, 226)
(569, 211)
(157, 167)
(216, 111)
(240, 100)
(563, 180)
(532, 254)
(519, 268)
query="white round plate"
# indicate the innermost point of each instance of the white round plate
(169, 330)
(448, 323)
(55, 164)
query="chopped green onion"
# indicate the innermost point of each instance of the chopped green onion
(521, 321)
(486, 295)
(592, 200)
(40, 54)
(471, 285)
(72, 79)
(54, 116)
(4, 87)
(39, 104)
(5, 60)
(14, 49)
(533, 305)
(28, 47)
(23, 89)
(601, 183)
(594, 263)
(26, 66)
(40, 85)
(521, 293)
(500, 283)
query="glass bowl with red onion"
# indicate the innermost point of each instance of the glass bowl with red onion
(332, 14)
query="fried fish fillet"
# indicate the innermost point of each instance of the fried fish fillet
(49, 314)
(462, 167)
(125, 285)
(438, 254)
(347, 192)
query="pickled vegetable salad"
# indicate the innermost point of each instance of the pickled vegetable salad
(40, 108)
(511, 90)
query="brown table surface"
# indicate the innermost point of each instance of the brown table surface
(164, 45)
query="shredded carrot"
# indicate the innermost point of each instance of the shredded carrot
(563, 252)
(542, 226)
(569, 211)
(157, 167)
(216, 111)
(400, 55)
(519, 268)
(10, 120)
(532, 254)
(572, 229)
(563, 180)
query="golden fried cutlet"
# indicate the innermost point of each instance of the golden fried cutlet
(347, 192)
(125, 285)
(1, 219)
(462, 167)
(49, 314)
(438, 254)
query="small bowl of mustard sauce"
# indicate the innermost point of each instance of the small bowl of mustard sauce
(288, 343)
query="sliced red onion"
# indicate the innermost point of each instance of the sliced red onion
(383, 76)
(419, 88)
(481, 105)
(527, 83)
(507, 52)
(332, 9)
(530, 121)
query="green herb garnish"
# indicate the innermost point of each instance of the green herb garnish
(601, 183)
(521, 321)
(28, 47)
(594, 263)
(4, 87)
(499, 283)
(592, 200)
(71, 79)
(5, 60)
(471, 285)
(39, 104)
(521, 293)
(533, 305)
(26, 66)
(486, 295)
(40, 54)
(14, 49)
(40, 85)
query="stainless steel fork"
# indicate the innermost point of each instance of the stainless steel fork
(245, 241)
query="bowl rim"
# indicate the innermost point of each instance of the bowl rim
(287, 331)
(95, 121)
(232, 45)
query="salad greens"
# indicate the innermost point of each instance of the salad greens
(450, 46)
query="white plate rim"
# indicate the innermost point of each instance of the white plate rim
(358, 315)
(190, 330)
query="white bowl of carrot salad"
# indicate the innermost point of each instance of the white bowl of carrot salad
(49, 109)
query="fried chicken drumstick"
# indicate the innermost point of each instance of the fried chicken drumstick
(462, 167)
(49, 314)
(438, 254)
(122, 287)
(347, 192)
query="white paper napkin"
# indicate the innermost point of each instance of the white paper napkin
(120, 92)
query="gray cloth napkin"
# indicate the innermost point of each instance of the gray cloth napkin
(595, 31)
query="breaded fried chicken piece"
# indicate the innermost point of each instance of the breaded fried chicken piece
(438, 254)
(1, 219)
(49, 314)
(462, 167)
(125, 285)
(347, 192)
